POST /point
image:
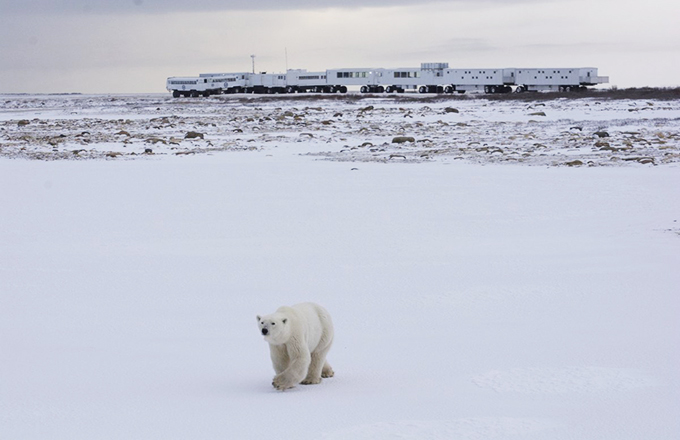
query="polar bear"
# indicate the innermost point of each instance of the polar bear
(299, 338)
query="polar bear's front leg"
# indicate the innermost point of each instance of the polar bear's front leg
(300, 359)
(279, 356)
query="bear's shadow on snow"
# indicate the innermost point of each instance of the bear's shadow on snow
(258, 386)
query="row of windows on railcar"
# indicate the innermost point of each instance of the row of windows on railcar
(352, 74)
(407, 74)
(554, 71)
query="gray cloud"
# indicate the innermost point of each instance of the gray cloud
(133, 45)
(464, 45)
(167, 6)
(606, 47)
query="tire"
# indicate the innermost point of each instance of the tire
(448, 89)
(363, 89)
(381, 89)
(520, 89)
(343, 89)
(422, 89)
(176, 94)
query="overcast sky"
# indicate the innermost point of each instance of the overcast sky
(119, 46)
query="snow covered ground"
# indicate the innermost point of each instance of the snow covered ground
(475, 294)
(574, 132)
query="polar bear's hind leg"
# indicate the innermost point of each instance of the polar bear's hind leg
(316, 367)
(327, 370)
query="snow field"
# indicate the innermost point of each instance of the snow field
(470, 301)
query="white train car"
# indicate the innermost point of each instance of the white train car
(483, 80)
(426, 79)
(191, 86)
(557, 79)
(401, 79)
(547, 79)
(588, 77)
(367, 79)
(404, 78)
(231, 82)
(433, 77)
(266, 83)
(206, 84)
(300, 81)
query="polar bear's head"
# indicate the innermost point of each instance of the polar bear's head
(275, 328)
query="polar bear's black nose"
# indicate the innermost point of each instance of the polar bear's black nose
(265, 331)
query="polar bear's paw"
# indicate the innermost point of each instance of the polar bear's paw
(282, 382)
(311, 381)
(327, 371)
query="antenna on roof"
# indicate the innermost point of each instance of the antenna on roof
(253, 57)
(286, 51)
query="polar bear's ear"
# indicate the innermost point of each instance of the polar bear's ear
(284, 320)
(258, 318)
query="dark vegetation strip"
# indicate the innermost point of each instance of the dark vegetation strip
(641, 93)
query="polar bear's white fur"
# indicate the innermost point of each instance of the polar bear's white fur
(299, 338)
